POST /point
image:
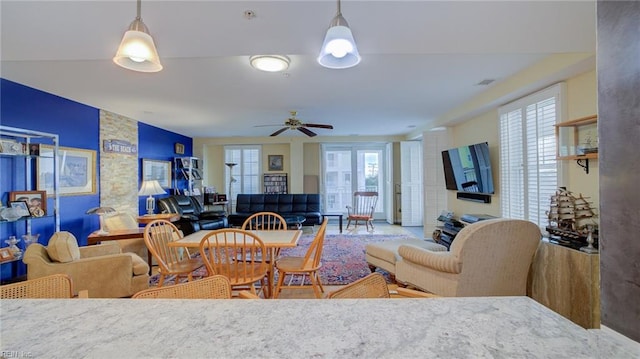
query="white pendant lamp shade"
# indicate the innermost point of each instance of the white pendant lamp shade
(137, 50)
(339, 49)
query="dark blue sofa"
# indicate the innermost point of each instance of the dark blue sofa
(307, 205)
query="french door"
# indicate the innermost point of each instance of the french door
(348, 168)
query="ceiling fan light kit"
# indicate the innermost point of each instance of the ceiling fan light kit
(137, 50)
(270, 63)
(339, 50)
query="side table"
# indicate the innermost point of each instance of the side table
(148, 218)
(337, 215)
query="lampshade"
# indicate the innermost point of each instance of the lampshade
(339, 49)
(137, 50)
(269, 63)
(150, 188)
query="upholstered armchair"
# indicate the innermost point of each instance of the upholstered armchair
(487, 258)
(103, 270)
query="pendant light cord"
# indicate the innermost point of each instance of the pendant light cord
(139, 6)
(339, 11)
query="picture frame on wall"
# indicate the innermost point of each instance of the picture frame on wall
(36, 202)
(5, 254)
(76, 171)
(157, 170)
(275, 162)
(179, 148)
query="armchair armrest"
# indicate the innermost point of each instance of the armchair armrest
(212, 214)
(439, 261)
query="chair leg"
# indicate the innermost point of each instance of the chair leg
(281, 276)
(161, 280)
(314, 284)
(348, 223)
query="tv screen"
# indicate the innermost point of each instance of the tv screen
(468, 169)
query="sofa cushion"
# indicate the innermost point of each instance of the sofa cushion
(140, 267)
(63, 247)
(388, 250)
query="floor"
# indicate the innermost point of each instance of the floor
(333, 228)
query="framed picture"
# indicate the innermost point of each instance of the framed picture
(275, 163)
(179, 148)
(157, 170)
(36, 202)
(22, 207)
(76, 170)
(5, 254)
(186, 162)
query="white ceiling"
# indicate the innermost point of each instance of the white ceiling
(420, 59)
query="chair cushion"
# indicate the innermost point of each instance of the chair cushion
(140, 267)
(388, 250)
(63, 247)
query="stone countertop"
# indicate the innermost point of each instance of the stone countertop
(491, 327)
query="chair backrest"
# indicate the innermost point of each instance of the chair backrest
(314, 252)
(221, 249)
(496, 256)
(364, 204)
(266, 221)
(157, 235)
(372, 286)
(52, 286)
(213, 287)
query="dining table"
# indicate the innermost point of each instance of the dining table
(273, 240)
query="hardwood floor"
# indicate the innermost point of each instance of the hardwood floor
(333, 228)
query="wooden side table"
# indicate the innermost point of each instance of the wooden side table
(148, 218)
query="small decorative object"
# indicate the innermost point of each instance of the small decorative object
(179, 148)
(36, 201)
(12, 147)
(10, 214)
(5, 254)
(101, 211)
(275, 163)
(15, 250)
(34, 149)
(29, 239)
(21, 207)
(589, 248)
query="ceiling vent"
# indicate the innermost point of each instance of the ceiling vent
(485, 82)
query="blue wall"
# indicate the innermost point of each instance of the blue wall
(78, 126)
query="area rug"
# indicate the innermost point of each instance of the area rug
(343, 257)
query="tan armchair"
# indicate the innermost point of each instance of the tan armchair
(103, 270)
(487, 258)
(123, 220)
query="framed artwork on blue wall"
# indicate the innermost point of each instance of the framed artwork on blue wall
(157, 170)
(76, 171)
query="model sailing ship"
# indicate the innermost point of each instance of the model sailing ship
(571, 219)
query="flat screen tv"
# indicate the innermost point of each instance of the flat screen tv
(468, 169)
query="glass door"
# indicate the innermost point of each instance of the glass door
(350, 168)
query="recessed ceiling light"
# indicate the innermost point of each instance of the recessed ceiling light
(269, 63)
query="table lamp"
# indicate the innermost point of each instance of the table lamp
(101, 211)
(150, 188)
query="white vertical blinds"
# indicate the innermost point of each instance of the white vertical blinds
(248, 169)
(528, 166)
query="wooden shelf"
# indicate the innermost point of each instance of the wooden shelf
(569, 136)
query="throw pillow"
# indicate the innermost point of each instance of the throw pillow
(63, 247)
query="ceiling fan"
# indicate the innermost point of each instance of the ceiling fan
(292, 123)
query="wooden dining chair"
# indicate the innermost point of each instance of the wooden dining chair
(308, 265)
(221, 249)
(171, 260)
(362, 209)
(51, 286)
(372, 286)
(213, 287)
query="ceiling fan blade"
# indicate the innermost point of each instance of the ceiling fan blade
(318, 126)
(279, 131)
(306, 131)
(267, 125)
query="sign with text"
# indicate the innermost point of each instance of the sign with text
(120, 146)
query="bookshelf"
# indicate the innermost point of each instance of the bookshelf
(275, 183)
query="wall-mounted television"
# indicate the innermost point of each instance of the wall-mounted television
(468, 169)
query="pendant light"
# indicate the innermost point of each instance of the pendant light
(339, 49)
(137, 51)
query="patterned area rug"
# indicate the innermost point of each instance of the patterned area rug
(343, 257)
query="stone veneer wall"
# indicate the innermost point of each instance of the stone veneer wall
(618, 133)
(118, 171)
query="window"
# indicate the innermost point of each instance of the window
(245, 176)
(528, 165)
